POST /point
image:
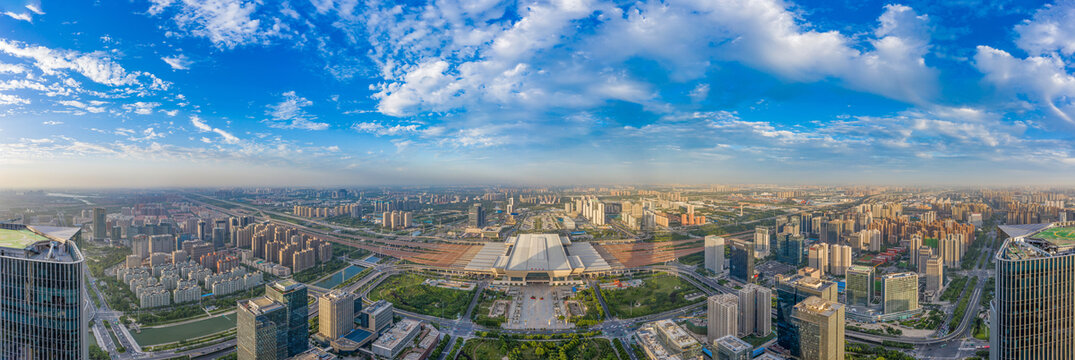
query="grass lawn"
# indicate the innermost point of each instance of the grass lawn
(481, 312)
(659, 293)
(407, 292)
(758, 340)
(1062, 234)
(495, 349)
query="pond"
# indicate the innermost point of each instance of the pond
(340, 276)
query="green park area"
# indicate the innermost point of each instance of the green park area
(486, 301)
(501, 348)
(1063, 235)
(658, 293)
(194, 329)
(407, 293)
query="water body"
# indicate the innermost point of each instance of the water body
(81, 198)
(372, 259)
(189, 330)
(341, 276)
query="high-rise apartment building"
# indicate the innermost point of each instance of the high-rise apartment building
(934, 274)
(899, 292)
(821, 329)
(714, 254)
(1032, 316)
(818, 257)
(722, 317)
(755, 310)
(791, 290)
(859, 287)
(761, 242)
(742, 264)
(100, 226)
(913, 243)
(839, 259)
(923, 255)
(42, 304)
(336, 314)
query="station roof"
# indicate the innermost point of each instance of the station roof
(537, 252)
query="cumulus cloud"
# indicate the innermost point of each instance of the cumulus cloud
(382, 130)
(141, 108)
(96, 66)
(92, 106)
(1042, 77)
(575, 54)
(226, 23)
(289, 114)
(8, 99)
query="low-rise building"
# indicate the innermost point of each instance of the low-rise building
(393, 341)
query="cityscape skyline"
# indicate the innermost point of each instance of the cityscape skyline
(227, 93)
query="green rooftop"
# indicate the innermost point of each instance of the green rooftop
(19, 239)
(1061, 236)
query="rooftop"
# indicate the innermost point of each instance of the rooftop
(1038, 240)
(397, 333)
(39, 242)
(19, 239)
(733, 343)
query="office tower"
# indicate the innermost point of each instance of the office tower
(100, 227)
(476, 217)
(224, 240)
(292, 295)
(934, 274)
(261, 329)
(755, 310)
(839, 259)
(761, 242)
(859, 287)
(234, 224)
(899, 292)
(42, 305)
(913, 243)
(722, 316)
(336, 314)
(821, 329)
(924, 253)
(790, 249)
(201, 231)
(742, 264)
(714, 254)
(791, 290)
(733, 348)
(818, 257)
(1031, 316)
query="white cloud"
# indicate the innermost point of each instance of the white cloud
(170, 112)
(1051, 29)
(141, 108)
(8, 99)
(12, 68)
(96, 66)
(52, 122)
(178, 62)
(450, 56)
(289, 114)
(204, 127)
(93, 107)
(226, 23)
(36, 8)
(382, 130)
(20, 16)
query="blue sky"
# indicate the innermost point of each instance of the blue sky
(324, 92)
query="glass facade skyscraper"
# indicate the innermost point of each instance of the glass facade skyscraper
(42, 306)
(1032, 315)
(790, 291)
(292, 295)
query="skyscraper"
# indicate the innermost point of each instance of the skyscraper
(742, 265)
(899, 292)
(818, 257)
(859, 285)
(476, 217)
(722, 317)
(100, 226)
(839, 259)
(261, 329)
(789, 249)
(761, 241)
(924, 253)
(934, 274)
(42, 307)
(755, 310)
(714, 254)
(336, 314)
(821, 329)
(1031, 316)
(292, 295)
(791, 290)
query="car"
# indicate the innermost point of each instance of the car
(532, 298)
